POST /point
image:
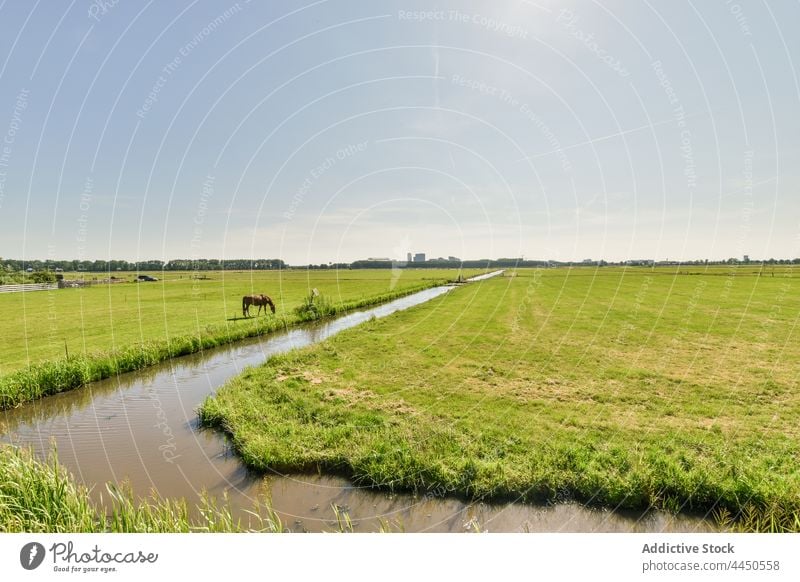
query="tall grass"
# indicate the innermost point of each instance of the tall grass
(52, 377)
(772, 518)
(41, 497)
(315, 306)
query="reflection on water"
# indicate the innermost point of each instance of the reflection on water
(305, 502)
(142, 427)
(486, 276)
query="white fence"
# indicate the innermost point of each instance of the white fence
(28, 287)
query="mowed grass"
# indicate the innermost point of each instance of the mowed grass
(58, 340)
(616, 387)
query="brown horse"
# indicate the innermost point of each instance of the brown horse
(260, 300)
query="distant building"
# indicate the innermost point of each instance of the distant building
(419, 258)
(379, 259)
(408, 257)
(456, 259)
(747, 258)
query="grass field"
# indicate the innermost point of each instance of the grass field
(73, 336)
(615, 387)
(37, 325)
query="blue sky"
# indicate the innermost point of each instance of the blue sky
(333, 131)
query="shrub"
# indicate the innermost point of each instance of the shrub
(315, 306)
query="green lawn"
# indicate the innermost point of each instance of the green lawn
(37, 325)
(616, 387)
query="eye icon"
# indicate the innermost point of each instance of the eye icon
(31, 555)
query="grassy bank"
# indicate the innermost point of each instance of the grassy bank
(42, 497)
(622, 390)
(66, 373)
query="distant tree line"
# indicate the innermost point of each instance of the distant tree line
(511, 263)
(14, 271)
(100, 266)
(445, 263)
(222, 265)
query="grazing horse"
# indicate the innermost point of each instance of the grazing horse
(260, 300)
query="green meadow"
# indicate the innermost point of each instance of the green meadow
(622, 388)
(58, 340)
